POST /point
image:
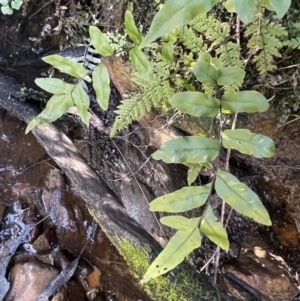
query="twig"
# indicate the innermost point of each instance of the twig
(209, 261)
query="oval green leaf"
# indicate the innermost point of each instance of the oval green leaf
(229, 5)
(140, 62)
(193, 173)
(280, 7)
(82, 103)
(55, 108)
(214, 230)
(231, 75)
(6, 10)
(181, 200)
(179, 222)
(245, 102)
(241, 198)
(245, 9)
(66, 65)
(16, 4)
(167, 51)
(99, 41)
(206, 73)
(54, 85)
(101, 85)
(196, 104)
(174, 14)
(4, 2)
(179, 246)
(248, 143)
(190, 149)
(131, 29)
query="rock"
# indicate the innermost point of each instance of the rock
(260, 273)
(276, 197)
(28, 280)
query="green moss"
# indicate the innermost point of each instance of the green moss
(183, 286)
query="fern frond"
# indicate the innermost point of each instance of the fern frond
(264, 43)
(193, 42)
(294, 33)
(128, 111)
(293, 43)
(155, 93)
(213, 29)
(229, 55)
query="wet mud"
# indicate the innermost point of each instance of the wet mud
(39, 209)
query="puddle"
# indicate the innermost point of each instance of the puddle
(32, 183)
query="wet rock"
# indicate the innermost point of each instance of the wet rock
(284, 225)
(28, 280)
(258, 272)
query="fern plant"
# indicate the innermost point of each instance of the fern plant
(264, 43)
(294, 32)
(172, 70)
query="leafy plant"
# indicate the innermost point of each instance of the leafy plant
(73, 95)
(195, 150)
(195, 69)
(169, 66)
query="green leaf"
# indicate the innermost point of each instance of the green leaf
(140, 62)
(82, 103)
(100, 42)
(6, 10)
(280, 7)
(229, 5)
(216, 63)
(101, 85)
(174, 14)
(16, 4)
(131, 29)
(245, 9)
(196, 104)
(241, 198)
(231, 75)
(66, 65)
(268, 5)
(4, 2)
(54, 85)
(55, 108)
(179, 246)
(245, 101)
(214, 230)
(182, 200)
(249, 143)
(191, 149)
(205, 57)
(179, 222)
(206, 73)
(167, 51)
(193, 173)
